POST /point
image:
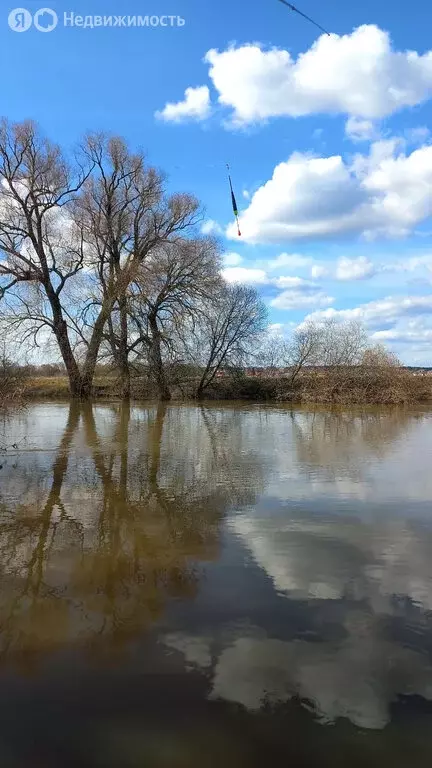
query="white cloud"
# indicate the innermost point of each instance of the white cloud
(293, 282)
(318, 271)
(383, 193)
(358, 129)
(410, 264)
(211, 227)
(300, 299)
(356, 74)
(404, 336)
(245, 275)
(295, 292)
(195, 106)
(381, 311)
(289, 260)
(362, 268)
(232, 259)
(354, 269)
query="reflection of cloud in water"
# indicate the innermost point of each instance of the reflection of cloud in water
(195, 649)
(308, 557)
(375, 561)
(118, 510)
(297, 558)
(357, 678)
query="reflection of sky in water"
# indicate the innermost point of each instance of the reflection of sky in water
(316, 531)
(346, 518)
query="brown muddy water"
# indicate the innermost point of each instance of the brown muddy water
(215, 585)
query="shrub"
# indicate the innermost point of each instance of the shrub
(12, 381)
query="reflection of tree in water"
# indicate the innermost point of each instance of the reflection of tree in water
(338, 442)
(122, 527)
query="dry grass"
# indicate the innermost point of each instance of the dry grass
(351, 386)
(360, 386)
(47, 386)
(58, 386)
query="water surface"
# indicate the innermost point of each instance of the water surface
(215, 585)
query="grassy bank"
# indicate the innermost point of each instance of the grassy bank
(348, 386)
(351, 389)
(57, 387)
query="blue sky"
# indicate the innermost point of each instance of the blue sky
(327, 138)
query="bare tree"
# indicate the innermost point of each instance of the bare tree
(228, 329)
(341, 343)
(126, 220)
(378, 356)
(329, 344)
(91, 225)
(167, 297)
(36, 187)
(303, 350)
(273, 352)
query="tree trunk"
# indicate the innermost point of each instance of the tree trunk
(203, 383)
(62, 336)
(123, 351)
(73, 372)
(156, 362)
(200, 390)
(93, 350)
(120, 353)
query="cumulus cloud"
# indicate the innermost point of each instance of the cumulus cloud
(318, 271)
(211, 227)
(289, 260)
(296, 298)
(232, 259)
(362, 268)
(194, 106)
(245, 275)
(285, 281)
(384, 193)
(409, 264)
(381, 311)
(295, 291)
(357, 74)
(360, 130)
(354, 269)
(413, 334)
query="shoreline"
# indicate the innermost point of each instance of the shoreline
(402, 388)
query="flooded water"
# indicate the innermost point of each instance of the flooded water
(217, 585)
